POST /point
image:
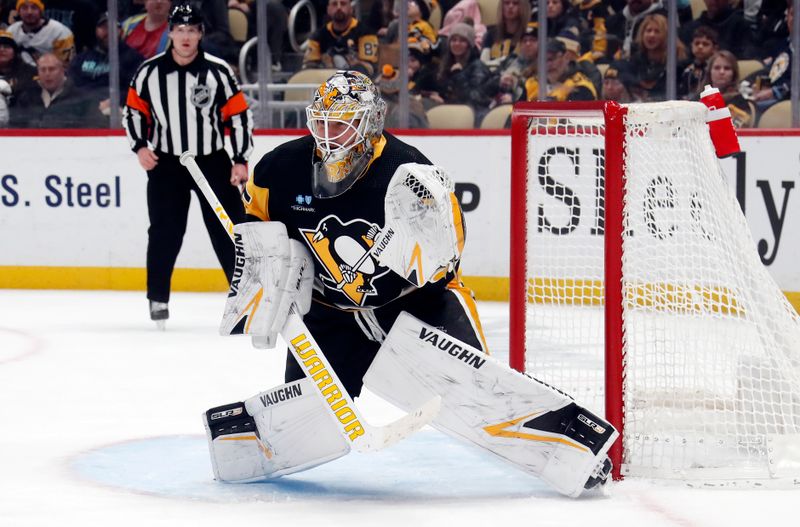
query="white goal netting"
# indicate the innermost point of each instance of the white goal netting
(711, 346)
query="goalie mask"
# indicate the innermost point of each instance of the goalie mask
(346, 120)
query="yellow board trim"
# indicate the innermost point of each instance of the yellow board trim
(487, 288)
(107, 278)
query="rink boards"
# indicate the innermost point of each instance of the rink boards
(73, 211)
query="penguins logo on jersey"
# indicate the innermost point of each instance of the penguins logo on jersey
(342, 249)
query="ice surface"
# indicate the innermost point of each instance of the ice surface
(101, 426)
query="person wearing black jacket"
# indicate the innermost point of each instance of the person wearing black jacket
(735, 33)
(16, 72)
(623, 26)
(462, 77)
(773, 83)
(79, 16)
(54, 102)
(89, 70)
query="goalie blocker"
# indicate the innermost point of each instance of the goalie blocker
(524, 421)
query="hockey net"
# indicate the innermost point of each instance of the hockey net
(637, 289)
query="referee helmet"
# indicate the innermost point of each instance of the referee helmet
(185, 14)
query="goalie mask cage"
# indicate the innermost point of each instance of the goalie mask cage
(637, 289)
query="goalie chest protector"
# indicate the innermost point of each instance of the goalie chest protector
(335, 230)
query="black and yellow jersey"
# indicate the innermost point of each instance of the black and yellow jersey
(494, 50)
(422, 33)
(743, 112)
(335, 230)
(357, 40)
(576, 87)
(594, 13)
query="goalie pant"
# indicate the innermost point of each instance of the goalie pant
(351, 339)
(525, 422)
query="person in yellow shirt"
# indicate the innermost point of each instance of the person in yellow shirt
(564, 83)
(343, 43)
(36, 34)
(420, 32)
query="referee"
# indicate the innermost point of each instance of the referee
(184, 99)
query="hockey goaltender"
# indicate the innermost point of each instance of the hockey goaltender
(352, 255)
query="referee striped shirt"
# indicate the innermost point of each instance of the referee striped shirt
(187, 108)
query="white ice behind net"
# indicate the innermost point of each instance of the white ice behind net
(712, 347)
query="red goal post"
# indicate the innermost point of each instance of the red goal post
(635, 287)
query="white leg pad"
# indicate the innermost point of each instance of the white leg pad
(277, 432)
(524, 421)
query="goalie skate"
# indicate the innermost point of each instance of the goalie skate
(600, 475)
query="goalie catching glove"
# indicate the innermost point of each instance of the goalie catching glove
(272, 274)
(423, 236)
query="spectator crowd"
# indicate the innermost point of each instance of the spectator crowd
(54, 63)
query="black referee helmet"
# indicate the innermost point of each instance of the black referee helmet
(185, 14)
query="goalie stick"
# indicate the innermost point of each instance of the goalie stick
(361, 435)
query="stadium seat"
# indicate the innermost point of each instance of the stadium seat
(238, 22)
(436, 17)
(778, 115)
(389, 54)
(309, 76)
(748, 67)
(496, 119)
(698, 6)
(451, 116)
(488, 12)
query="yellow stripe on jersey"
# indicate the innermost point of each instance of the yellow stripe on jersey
(64, 48)
(458, 220)
(600, 41)
(368, 48)
(256, 200)
(468, 300)
(377, 150)
(313, 52)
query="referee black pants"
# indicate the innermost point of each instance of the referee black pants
(169, 187)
